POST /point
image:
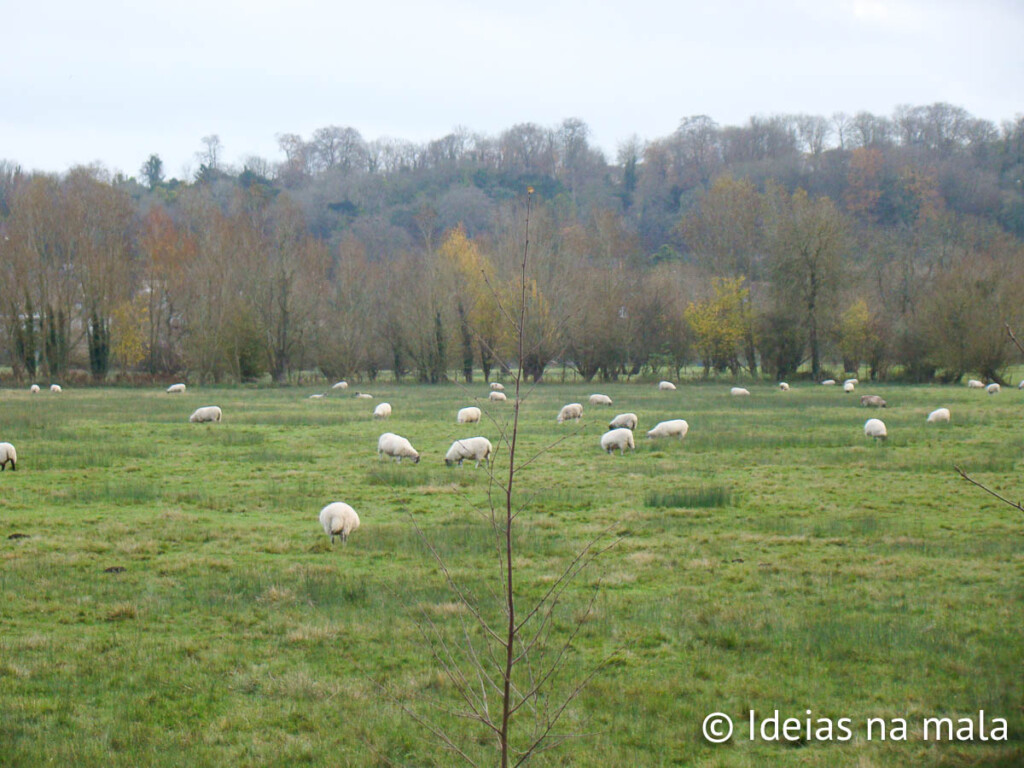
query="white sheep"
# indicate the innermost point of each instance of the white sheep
(56, 388)
(390, 444)
(851, 381)
(176, 389)
(992, 389)
(363, 396)
(34, 389)
(497, 386)
(739, 392)
(938, 415)
(828, 383)
(497, 397)
(570, 411)
(974, 384)
(476, 448)
(848, 386)
(875, 428)
(783, 386)
(627, 420)
(666, 386)
(872, 401)
(382, 411)
(340, 385)
(204, 414)
(600, 400)
(339, 519)
(8, 454)
(1021, 385)
(621, 438)
(468, 415)
(317, 396)
(670, 428)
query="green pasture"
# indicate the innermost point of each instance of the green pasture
(168, 598)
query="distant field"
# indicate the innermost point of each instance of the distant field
(776, 559)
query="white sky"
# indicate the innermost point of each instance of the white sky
(114, 82)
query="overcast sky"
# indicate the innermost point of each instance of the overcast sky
(114, 82)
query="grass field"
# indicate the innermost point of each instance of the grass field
(774, 560)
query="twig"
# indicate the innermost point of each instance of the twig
(986, 489)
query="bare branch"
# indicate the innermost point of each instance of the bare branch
(1009, 332)
(1015, 504)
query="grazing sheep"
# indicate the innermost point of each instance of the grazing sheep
(339, 519)
(497, 397)
(8, 454)
(938, 415)
(382, 411)
(739, 392)
(851, 381)
(828, 383)
(848, 386)
(476, 448)
(340, 385)
(600, 400)
(621, 438)
(497, 386)
(204, 414)
(875, 428)
(783, 386)
(992, 389)
(34, 389)
(363, 396)
(317, 396)
(872, 401)
(390, 444)
(570, 411)
(176, 389)
(974, 384)
(627, 420)
(670, 428)
(666, 386)
(467, 415)
(56, 388)
(1021, 385)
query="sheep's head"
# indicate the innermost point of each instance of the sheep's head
(448, 462)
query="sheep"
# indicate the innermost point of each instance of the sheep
(872, 401)
(382, 411)
(468, 415)
(363, 396)
(340, 385)
(339, 519)
(176, 389)
(666, 386)
(828, 383)
(851, 381)
(204, 414)
(783, 386)
(938, 415)
(390, 444)
(627, 420)
(848, 387)
(34, 389)
(570, 411)
(497, 397)
(477, 448)
(1021, 385)
(992, 389)
(55, 388)
(621, 438)
(739, 392)
(875, 428)
(8, 454)
(974, 384)
(600, 400)
(317, 396)
(497, 386)
(670, 428)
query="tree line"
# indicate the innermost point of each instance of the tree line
(792, 243)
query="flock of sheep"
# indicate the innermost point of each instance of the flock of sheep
(340, 519)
